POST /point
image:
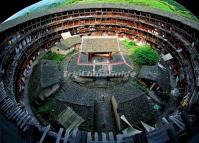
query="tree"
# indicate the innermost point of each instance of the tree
(145, 55)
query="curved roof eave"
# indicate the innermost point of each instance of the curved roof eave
(8, 24)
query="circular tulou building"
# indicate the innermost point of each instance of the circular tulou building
(100, 71)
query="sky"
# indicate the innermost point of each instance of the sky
(32, 7)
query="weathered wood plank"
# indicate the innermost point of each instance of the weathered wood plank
(25, 121)
(104, 137)
(96, 137)
(59, 134)
(44, 134)
(112, 140)
(89, 138)
(66, 136)
(17, 109)
(17, 113)
(22, 118)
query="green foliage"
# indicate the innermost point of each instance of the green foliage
(141, 55)
(168, 6)
(47, 107)
(53, 56)
(145, 55)
(129, 44)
